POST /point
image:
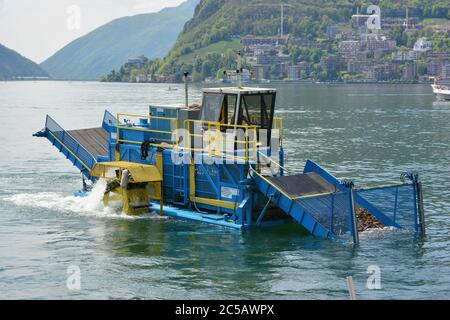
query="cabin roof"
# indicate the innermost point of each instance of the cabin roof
(241, 90)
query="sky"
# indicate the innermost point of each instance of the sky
(38, 28)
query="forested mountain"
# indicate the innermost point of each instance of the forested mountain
(13, 65)
(206, 44)
(225, 20)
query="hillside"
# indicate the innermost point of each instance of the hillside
(109, 46)
(12, 64)
(224, 20)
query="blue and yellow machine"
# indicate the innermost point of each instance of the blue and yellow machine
(222, 163)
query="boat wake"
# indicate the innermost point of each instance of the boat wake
(91, 205)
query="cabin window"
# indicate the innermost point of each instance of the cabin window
(228, 109)
(211, 109)
(257, 110)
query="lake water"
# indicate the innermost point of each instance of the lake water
(367, 133)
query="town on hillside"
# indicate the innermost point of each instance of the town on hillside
(402, 49)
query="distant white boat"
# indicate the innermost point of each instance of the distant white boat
(442, 91)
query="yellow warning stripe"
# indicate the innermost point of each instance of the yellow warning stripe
(73, 154)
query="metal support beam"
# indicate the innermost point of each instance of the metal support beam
(420, 208)
(264, 211)
(353, 217)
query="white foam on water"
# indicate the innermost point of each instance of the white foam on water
(281, 112)
(379, 233)
(60, 202)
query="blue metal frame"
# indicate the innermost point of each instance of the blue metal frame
(210, 179)
(311, 166)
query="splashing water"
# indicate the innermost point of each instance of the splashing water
(92, 204)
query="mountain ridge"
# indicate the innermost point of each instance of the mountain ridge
(107, 47)
(14, 65)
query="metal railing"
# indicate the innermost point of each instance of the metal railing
(278, 125)
(332, 210)
(396, 201)
(109, 121)
(80, 153)
(219, 139)
(239, 142)
(171, 133)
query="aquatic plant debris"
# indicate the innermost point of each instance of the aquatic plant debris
(366, 220)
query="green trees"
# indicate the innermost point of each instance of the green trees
(200, 51)
(441, 42)
(421, 68)
(207, 68)
(398, 33)
(113, 76)
(312, 55)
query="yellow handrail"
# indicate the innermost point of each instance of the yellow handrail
(215, 139)
(274, 162)
(278, 125)
(172, 132)
(216, 123)
(144, 117)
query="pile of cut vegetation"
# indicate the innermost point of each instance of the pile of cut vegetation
(367, 221)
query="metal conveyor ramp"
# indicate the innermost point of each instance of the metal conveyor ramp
(301, 185)
(93, 140)
(312, 202)
(326, 206)
(82, 147)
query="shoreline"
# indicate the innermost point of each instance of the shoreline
(248, 83)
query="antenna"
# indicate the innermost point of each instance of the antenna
(407, 19)
(186, 74)
(282, 5)
(239, 69)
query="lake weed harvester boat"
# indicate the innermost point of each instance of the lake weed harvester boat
(222, 163)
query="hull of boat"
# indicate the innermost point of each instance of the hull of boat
(441, 93)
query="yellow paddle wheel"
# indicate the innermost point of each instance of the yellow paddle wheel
(133, 185)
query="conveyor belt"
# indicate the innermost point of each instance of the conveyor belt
(292, 187)
(94, 140)
(302, 184)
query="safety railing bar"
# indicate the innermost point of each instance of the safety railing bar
(232, 157)
(273, 161)
(387, 186)
(145, 117)
(146, 130)
(110, 115)
(395, 204)
(218, 124)
(168, 145)
(319, 195)
(236, 141)
(67, 133)
(120, 126)
(140, 142)
(217, 139)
